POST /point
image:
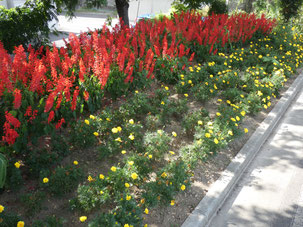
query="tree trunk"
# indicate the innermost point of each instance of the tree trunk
(122, 8)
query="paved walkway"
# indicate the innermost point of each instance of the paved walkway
(270, 192)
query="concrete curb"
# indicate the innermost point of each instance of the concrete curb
(220, 190)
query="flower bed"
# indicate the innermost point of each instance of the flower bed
(41, 93)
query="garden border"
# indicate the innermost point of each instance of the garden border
(221, 189)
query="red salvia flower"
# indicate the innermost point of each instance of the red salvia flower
(51, 116)
(18, 98)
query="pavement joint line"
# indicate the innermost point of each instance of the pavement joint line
(221, 189)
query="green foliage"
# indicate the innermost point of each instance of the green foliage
(9, 219)
(216, 6)
(290, 8)
(14, 179)
(32, 202)
(170, 180)
(126, 212)
(90, 196)
(157, 143)
(63, 179)
(51, 221)
(192, 119)
(26, 24)
(43, 159)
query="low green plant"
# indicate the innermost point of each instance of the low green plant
(32, 202)
(62, 180)
(192, 119)
(50, 221)
(90, 196)
(9, 219)
(157, 143)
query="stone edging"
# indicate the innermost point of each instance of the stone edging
(220, 190)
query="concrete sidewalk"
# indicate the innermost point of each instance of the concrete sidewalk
(270, 191)
(263, 185)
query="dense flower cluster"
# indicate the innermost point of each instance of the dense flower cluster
(62, 77)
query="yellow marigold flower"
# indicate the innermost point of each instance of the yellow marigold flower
(123, 151)
(86, 122)
(166, 88)
(200, 122)
(260, 56)
(113, 168)
(233, 119)
(17, 164)
(245, 130)
(230, 132)
(114, 130)
(238, 119)
(207, 135)
(76, 163)
(119, 129)
(219, 100)
(216, 141)
(182, 83)
(134, 176)
(186, 95)
(126, 225)
(146, 211)
(172, 202)
(259, 93)
(206, 83)
(118, 139)
(92, 117)
(136, 92)
(265, 106)
(45, 180)
(131, 163)
(227, 101)
(159, 131)
(131, 121)
(101, 176)
(171, 152)
(243, 113)
(126, 185)
(20, 224)
(1, 208)
(189, 81)
(101, 192)
(218, 114)
(215, 86)
(211, 76)
(174, 134)
(83, 218)
(162, 103)
(128, 197)
(163, 175)
(107, 119)
(96, 134)
(90, 178)
(131, 137)
(269, 104)
(150, 156)
(183, 187)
